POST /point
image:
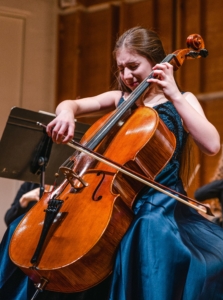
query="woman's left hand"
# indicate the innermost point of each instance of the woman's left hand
(163, 77)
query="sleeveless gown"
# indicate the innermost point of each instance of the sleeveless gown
(170, 252)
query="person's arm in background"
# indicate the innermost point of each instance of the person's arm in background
(211, 190)
(26, 197)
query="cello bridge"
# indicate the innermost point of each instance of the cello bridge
(71, 176)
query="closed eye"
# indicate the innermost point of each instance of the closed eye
(130, 67)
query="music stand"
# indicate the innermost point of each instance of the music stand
(26, 151)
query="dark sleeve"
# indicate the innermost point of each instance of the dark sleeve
(16, 210)
(211, 190)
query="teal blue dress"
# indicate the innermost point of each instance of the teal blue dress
(170, 252)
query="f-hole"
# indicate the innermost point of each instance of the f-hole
(94, 198)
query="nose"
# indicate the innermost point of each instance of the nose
(127, 73)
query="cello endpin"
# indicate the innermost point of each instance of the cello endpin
(40, 287)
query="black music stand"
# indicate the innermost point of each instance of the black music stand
(26, 151)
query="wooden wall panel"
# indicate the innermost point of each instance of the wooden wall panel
(136, 14)
(96, 51)
(88, 3)
(68, 52)
(86, 41)
(165, 23)
(150, 14)
(213, 24)
(189, 23)
(213, 109)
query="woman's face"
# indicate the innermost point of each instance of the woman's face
(133, 68)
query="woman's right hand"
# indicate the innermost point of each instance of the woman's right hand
(61, 129)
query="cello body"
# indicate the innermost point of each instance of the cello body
(80, 246)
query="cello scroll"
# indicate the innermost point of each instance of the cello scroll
(196, 49)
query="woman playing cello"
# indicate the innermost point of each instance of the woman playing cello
(170, 252)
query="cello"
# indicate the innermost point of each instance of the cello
(80, 223)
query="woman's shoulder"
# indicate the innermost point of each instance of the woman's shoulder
(113, 94)
(117, 95)
(190, 97)
(105, 100)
